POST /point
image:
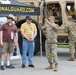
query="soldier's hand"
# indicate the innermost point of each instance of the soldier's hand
(46, 20)
(40, 21)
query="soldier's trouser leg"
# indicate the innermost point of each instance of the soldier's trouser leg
(55, 57)
(48, 53)
(75, 49)
(54, 53)
(71, 49)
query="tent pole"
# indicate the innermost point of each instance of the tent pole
(40, 44)
(42, 15)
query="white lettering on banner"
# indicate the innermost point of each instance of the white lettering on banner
(16, 9)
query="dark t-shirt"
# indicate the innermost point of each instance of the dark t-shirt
(7, 30)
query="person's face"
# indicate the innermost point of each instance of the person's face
(9, 19)
(70, 20)
(29, 20)
(51, 21)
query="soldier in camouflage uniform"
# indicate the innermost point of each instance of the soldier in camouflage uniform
(70, 28)
(51, 41)
(75, 50)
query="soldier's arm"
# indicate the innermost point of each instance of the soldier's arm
(40, 25)
(51, 25)
(66, 28)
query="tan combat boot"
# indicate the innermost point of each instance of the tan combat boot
(71, 59)
(50, 66)
(56, 67)
(75, 56)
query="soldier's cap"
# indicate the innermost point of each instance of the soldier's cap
(51, 18)
(28, 17)
(11, 16)
(70, 17)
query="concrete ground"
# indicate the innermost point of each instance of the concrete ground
(65, 67)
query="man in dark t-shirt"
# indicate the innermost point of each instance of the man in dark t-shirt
(9, 40)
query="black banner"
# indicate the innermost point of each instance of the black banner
(18, 9)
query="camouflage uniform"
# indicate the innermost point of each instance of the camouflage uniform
(75, 50)
(51, 40)
(70, 28)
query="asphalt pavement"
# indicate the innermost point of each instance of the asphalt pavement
(40, 63)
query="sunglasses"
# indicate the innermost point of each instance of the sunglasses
(9, 18)
(29, 19)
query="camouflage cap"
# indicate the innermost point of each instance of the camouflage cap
(51, 18)
(69, 17)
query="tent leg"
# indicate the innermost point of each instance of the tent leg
(40, 45)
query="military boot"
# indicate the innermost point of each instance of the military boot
(50, 66)
(71, 59)
(56, 67)
(75, 56)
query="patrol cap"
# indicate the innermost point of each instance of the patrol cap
(28, 17)
(51, 18)
(11, 16)
(70, 17)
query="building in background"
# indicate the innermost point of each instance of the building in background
(29, 2)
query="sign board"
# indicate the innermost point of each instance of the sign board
(17, 8)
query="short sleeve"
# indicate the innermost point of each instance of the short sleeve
(16, 30)
(22, 28)
(2, 28)
(35, 29)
